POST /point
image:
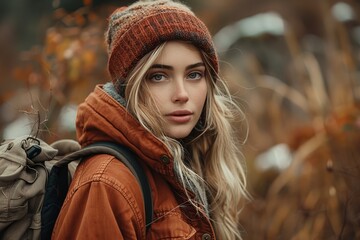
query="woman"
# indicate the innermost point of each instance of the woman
(165, 104)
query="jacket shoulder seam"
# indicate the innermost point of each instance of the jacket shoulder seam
(115, 184)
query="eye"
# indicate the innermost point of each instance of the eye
(195, 75)
(156, 77)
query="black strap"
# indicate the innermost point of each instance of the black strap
(126, 156)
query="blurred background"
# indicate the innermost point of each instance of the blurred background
(293, 66)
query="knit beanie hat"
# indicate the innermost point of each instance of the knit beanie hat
(136, 30)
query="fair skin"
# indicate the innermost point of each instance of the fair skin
(177, 82)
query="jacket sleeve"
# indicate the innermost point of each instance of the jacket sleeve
(105, 208)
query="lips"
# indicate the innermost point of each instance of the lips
(180, 116)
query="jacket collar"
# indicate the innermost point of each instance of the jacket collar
(103, 117)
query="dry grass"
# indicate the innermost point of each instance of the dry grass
(318, 117)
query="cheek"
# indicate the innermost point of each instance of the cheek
(199, 95)
(157, 99)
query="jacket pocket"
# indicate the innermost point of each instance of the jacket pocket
(170, 226)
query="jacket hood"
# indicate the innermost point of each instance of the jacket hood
(102, 117)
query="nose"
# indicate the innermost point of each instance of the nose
(180, 93)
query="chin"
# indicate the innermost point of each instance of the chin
(178, 133)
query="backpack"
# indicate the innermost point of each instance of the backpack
(34, 180)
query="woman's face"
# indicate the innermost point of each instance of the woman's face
(176, 80)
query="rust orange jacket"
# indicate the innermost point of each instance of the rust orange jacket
(105, 201)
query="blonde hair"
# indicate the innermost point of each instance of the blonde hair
(214, 171)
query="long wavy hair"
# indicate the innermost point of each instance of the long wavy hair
(208, 162)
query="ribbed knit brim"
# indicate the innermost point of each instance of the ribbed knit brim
(138, 29)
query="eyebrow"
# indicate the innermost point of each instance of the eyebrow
(199, 64)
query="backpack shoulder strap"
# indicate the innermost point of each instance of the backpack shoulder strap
(126, 156)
